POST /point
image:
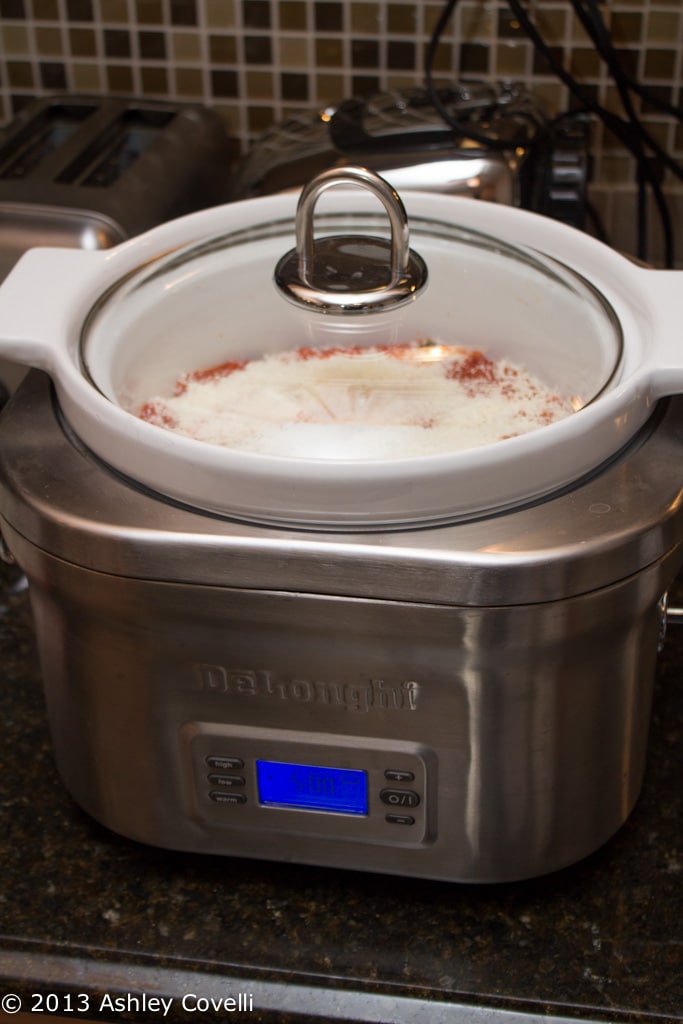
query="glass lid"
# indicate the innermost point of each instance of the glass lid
(485, 342)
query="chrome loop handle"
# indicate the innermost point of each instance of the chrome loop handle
(398, 219)
(350, 273)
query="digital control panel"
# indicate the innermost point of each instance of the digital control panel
(370, 790)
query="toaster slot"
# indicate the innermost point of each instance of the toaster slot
(109, 155)
(42, 137)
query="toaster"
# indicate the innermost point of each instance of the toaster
(532, 161)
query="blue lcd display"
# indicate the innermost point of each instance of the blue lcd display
(312, 788)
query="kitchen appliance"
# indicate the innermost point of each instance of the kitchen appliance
(366, 680)
(90, 171)
(531, 161)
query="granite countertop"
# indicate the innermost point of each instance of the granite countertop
(88, 917)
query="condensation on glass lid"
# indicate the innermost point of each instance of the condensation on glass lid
(359, 403)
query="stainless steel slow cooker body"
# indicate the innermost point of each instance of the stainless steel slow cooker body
(111, 326)
(465, 699)
(488, 682)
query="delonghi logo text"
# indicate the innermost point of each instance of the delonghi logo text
(374, 695)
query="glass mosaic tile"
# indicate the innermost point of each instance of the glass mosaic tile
(258, 61)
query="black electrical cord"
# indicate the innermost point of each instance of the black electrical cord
(463, 129)
(592, 21)
(629, 130)
(630, 133)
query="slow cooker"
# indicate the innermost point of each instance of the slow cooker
(438, 666)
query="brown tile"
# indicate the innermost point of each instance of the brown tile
(114, 11)
(628, 58)
(188, 81)
(397, 82)
(401, 55)
(48, 41)
(476, 23)
(154, 80)
(474, 58)
(15, 40)
(366, 18)
(152, 45)
(224, 83)
(294, 87)
(658, 130)
(329, 53)
(79, 10)
(52, 76)
(507, 26)
(260, 118)
(119, 78)
(186, 46)
(364, 53)
(364, 85)
(664, 93)
(116, 42)
(542, 65)
(328, 17)
(259, 85)
(184, 12)
(329, 88)
(86, 77)
(552, 24)
(660, 64)
(149, 12)
(222, 49)
(578, 32)
(220, 14)
(664, 27)
(444, 60)
(293, 15)
(584, 63)
(13, 9)
(293, 51)
(550, 95)
(402, 18)
(626, 27)
(83, 43)
(617, 169)
(20, 74)
(258, 50)
(590, 91)
(46, 10)
(511, 58)
(256, 13)
(431, 15)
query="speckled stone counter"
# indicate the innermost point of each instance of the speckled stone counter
(87, 918)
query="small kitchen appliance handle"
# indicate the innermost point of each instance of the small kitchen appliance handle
(43, 301)
(663, 361)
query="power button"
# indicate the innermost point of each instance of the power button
(399, 797)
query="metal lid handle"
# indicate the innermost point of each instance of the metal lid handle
(398, 219)
(350, 273)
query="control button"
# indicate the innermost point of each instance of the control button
(226, 797)
(400, 819)
(399, 775)
(226, 780)
(224, 764)
(399, 797)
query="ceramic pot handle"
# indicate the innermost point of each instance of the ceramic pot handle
(43, 301)
(664, 360)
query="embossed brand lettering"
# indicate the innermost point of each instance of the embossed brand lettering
(375, 695)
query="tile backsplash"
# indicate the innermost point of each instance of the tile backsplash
(259, 61)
